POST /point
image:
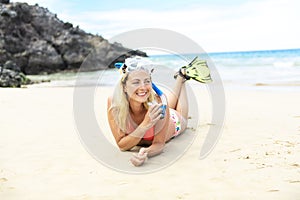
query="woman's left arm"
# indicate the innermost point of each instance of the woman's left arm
(158, 142)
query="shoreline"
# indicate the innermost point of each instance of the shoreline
(259, 86)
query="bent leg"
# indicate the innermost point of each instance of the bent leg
(177, 98)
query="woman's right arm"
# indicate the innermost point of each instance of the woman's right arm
(124, 142)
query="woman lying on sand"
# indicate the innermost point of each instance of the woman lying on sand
(135, 112)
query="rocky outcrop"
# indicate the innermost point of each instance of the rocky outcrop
(11, 76)
(4, 1)
(39, 43)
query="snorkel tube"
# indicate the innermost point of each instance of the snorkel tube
(163, 98)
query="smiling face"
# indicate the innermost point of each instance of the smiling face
(138, 86)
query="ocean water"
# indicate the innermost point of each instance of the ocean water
(273, 69)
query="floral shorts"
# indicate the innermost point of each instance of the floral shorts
(176, 121)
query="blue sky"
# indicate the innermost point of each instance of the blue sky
(216, 25)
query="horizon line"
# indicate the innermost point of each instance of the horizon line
(241, 51)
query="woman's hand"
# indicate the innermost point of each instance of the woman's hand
(152, 116)
(138, 159)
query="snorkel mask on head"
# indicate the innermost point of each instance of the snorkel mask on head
(135, 63)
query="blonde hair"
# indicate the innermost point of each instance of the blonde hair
(120, 103)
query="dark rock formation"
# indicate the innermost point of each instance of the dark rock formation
(4, 1)
(11, 76)
(39, 43)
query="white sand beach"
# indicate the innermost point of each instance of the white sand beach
(257, 156)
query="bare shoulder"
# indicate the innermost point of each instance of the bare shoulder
(109, 100)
